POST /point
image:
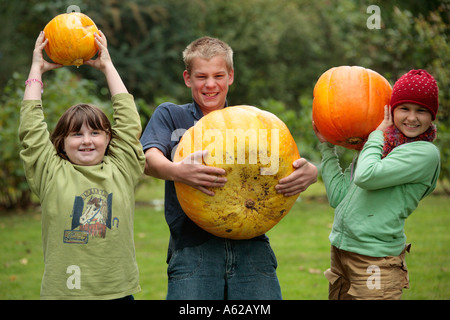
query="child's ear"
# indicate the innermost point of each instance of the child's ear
(231, 77)
(187, 78)
(108, 140)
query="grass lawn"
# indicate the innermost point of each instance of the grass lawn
(300, 242)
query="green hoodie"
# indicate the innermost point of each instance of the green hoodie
(374, 199)
(87, 211)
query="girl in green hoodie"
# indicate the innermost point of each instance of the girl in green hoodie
(84, 174)
(397, 167)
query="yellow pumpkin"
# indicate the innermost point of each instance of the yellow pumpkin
(256, 150)
(71, 39)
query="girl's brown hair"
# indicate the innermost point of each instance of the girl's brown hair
(73, 119)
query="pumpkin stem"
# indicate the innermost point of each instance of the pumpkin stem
(354, 140)
(78, 62)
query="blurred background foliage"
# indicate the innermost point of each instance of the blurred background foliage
(281, 48)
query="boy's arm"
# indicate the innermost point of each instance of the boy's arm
(189, 171)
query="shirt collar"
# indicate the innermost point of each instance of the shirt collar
(197, 112)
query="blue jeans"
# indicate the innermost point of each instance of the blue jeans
(222, 269)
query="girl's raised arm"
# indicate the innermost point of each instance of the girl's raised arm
(34, 85)
(105, 64)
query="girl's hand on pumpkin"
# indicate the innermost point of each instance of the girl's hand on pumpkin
(38, 67)
(387, 121)
(201, 177)
(103, 59)
(39, 64)
(318, 134)
(105, 65)
(298, 181)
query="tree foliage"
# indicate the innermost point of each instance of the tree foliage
(281, 48)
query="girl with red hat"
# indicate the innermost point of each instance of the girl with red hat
(397, 168)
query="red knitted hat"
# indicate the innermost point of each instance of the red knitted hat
(418, 87)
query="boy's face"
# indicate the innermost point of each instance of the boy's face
(86, 147)
(412, 119)
(209, 81)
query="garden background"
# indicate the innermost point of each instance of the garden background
(281, 48)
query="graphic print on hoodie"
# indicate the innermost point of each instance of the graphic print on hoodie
(91, 215)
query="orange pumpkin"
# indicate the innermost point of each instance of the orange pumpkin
(256, 150)
(349, 104)
(71, 39)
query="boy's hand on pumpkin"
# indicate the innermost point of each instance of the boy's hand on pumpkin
(298, 181)
(199, 176)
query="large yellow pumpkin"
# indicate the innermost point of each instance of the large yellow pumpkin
(71, 39)
(349, 104)
(256, 150)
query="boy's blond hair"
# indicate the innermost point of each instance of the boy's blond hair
(207, 48)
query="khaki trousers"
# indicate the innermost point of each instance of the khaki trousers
(357, 277)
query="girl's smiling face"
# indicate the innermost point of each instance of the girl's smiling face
(87, 146)
(412, 119)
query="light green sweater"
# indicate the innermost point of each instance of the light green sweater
(374, 199)
(87, 211)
